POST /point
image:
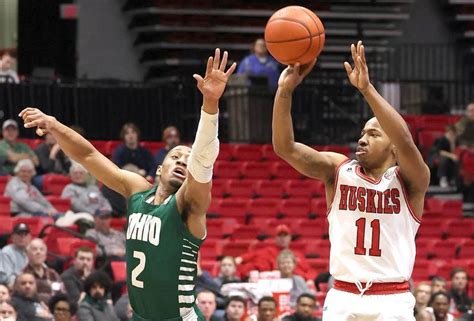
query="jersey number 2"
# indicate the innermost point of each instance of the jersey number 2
(138, 269)
(375, 248)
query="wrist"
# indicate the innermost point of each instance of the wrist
(367, 90)
(210, 105)
(284, 92)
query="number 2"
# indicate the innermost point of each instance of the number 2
(375, 248)
(138, 269)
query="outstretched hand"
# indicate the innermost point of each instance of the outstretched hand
(292, 76)
(213, 84)
(359, 75)
(33, 117)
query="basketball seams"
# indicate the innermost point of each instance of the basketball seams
(289, 60)
(316, 24)
(298, 22)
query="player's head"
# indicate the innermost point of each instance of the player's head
(374, 148)
(84, 259)
(130, 134)
(470, 111)
(172, 173)
(228, 267)
(438, 283)
(458, 279)
(97, 285)
(423, 293)
(206, 301)
(235, 308)
(440, 304)
(305, 305)
(267, 309)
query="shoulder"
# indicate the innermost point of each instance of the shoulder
(7, 250)
(22, 146)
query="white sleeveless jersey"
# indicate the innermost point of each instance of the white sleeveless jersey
(372, 227)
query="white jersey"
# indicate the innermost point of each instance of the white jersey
(372, 227)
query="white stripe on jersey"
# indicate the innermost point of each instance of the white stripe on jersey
(186, 269)
(185, 278)
(186, 298)
(186, 287)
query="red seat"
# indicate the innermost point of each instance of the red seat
(233, 208)
(208, 250)
(264, 207)
(234, 248)
(426, 139)
(318, 248)
(423, 248)
(270, 189)
(3, 182)
(421, 270)
(240, 188)
(268, 225)
(35, 224)
(256, 170)
(295, 207)
(283, 170)
(101, 146)
(218, 187)
(318, 207)
(313, 229)
(467, 250)
(152, 146)
(304, 188)
(268, 154)
(246, 232)
(5, 206)
(54, 183)
(119, 271)
(211, 266)
(319, 265)
(225, 152)
(68, 245)
(33, 143)
(460, 228)
(61, 204)
(247, 152)
(448, 207)
(431, 229)
(118, 223)
(444, 248)
(221, 227)
(6, 225)
(226, 169)
(109, 147)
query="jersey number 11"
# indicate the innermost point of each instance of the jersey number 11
(375, 248)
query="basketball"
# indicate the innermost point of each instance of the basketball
(294, 34)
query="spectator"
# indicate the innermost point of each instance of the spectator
(4, 293)
(286, 262)
(26, 199)
(116, 200)
(422, 296)
(109, 240)
(267, 309)
(74, 277)
(206, 301)
(265, 259)
(438, 283)
(123, 309)
(25, 300)
(171, 138)
(62, 308)
(469, 315)
(205, 282)
(7, 311)
(228, 270)
(442, 160)
(51, 158)
(48, 281)
(438, 307)
(84, 197)
(235, 308)
(260, 63)
(458, 292)
(13, 256)
(130, 152)
(12, 151)
(305, 306)
(95, 307)
(7, 74)
(424, 315)
(465, 127)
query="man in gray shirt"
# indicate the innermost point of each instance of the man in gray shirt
(13, 257)
(108, 239)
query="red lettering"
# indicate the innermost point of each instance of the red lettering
(371, 200)
(361, 198)
(343, 202)
(379, 202)
(396, 200)
(352, 198)
(387, 208)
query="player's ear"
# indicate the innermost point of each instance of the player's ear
(394, 153)
(158, 171)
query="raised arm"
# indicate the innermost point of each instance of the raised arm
(194, 196)
(413, 169)
(304, 159)
(79, 149)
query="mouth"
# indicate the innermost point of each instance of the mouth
(361, 151)
(179, 173)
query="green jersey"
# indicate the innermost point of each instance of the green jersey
(161, 261)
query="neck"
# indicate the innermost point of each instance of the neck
(260, 55)
(420, 307)
(286, 276)
(162, 193)
(38, 268)
(104, 230)
(376, 173)
(132, 145)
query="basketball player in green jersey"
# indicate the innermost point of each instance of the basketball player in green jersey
(166, 223)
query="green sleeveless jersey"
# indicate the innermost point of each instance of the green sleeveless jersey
(161, 261)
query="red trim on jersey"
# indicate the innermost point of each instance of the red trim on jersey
(375, 288)
(367, 178)
(405, 194)
(336, 176)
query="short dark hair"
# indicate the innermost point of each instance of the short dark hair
(83, 249)
(266, 299)
(126, 126)
(97, 277)
(437, 278)
(435, 295)
(306, 295)
(62, 297)
(457, 270)
(235, 298)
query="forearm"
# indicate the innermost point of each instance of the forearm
(390, 120)
(282, 123)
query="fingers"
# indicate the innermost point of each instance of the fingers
(308, 67)
(231, 70)
(33, 123)
(27, 109)
(198, 78)
(362, 54)
(217, 58)
(297, 68)
(353, 52)
(348, 68)
(41, 132)
(224, 61)
(209, 65)
(359, 44)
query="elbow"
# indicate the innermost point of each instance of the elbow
(280, 149)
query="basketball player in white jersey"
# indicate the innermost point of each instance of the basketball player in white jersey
(375, 202)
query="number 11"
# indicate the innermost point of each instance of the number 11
(375, 248)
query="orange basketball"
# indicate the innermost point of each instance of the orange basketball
(294, 34)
